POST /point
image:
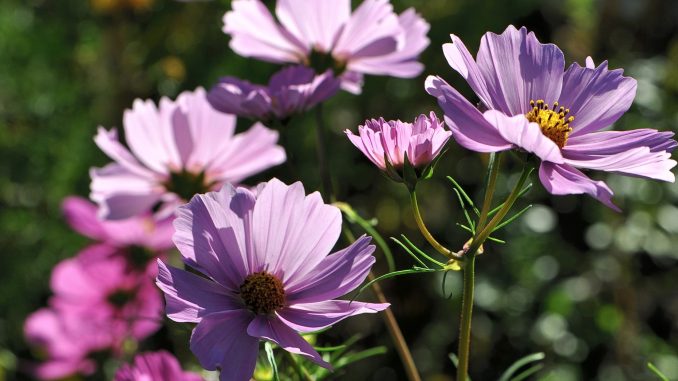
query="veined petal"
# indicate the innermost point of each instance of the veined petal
(309, 317)
(108, 142)
(190, 297)
(373, 29)
(220, 341)
(338, 274)
(596, 97)
(317, 24)
(461, 60)
(121, 193)
(561, 179)
(469, 127)
(613, 142)
(272, 329)
(292, 232)
(255, 33)
(518, 68)
(525, 135)
(640, 161)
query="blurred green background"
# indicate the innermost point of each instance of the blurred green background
(593, 289)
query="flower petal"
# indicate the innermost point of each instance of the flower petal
(523, 134)
(373, 29)
(309, 317)
(316, 23)
(220, 341)
(121, 193)
(640, 161)
(212, 234)
(461, 60)
(248, 153)
(561, 179)
(254, 33)
(272, 329)
(81, 215)
(518, 68)
(190, 297)
(469, 127)
(338, 274)
(596, 97)
(108, 142)
(292, 232)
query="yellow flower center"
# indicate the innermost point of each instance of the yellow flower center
(262, 293)
(554, 122)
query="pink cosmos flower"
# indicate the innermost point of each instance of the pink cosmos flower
(290, 91)
(267, 272)
(325, 34)
(176, 150)
(64, 344)
(537, 106)
(144, 231)
(421, 141)
(154, 366)
(100, 288)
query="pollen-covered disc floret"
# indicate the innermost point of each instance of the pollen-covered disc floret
(262, 293)
(554, 122)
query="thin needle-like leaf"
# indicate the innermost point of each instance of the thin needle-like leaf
(508, 374)
(271, 360)
(512, 218)
(409, 252)
(461, 190)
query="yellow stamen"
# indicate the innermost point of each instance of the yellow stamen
(554, 122)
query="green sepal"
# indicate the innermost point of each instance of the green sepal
(391, 172)
(409, 174)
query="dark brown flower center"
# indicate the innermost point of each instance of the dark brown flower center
(554, 122)
(262, 293)
(187, 184)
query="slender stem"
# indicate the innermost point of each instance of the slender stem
(466, 316)
(469, 265)
(424, 231)
(490, 184)
(396, 334)
(321, 150)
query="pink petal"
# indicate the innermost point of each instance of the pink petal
(254, 33)
(561, 179)
(272, 329)
(640, 161)
(292, 232)
(596, 97)
(213, 237)
(371, 25)
(338, 274)
(190, 297)
(517, 68)
(469, 127)
(81, 215)
(309, 317)
(316, 23)
(220, 341)
(108, 142)
(525, 135)
(122, 194)
(461, 60)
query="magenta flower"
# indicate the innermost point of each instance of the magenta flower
(154, 366)
(557, 115)
(143, 231)
(267, 272)
(178, 149)
(290, 91)
(64, 344)
(421, 141)
(325, 34)
(98, 287)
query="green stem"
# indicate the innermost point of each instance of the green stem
(424, 231)
(490, 184)
(301, 370)
(469, 264)
(321, 150)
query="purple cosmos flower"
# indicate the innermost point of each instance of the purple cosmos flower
(100, 288)
(154, 366)
(421, 141)
(290, 91)
(143, 231)
(557, 115)
(178, 149)
(325, 34)
(64, 344)
(267, 272)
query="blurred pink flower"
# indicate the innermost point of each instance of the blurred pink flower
(267, 274)
(154, 366)
(176, 150)
(537, 106)
(63, 344)
(145, 230)
(100, 288)
(290, 91)
(421, 141)
(327, 35)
